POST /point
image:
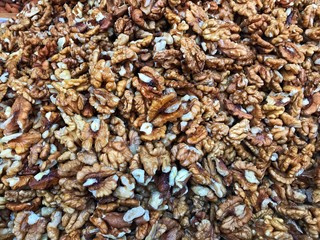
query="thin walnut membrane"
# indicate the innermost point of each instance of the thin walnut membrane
(166, 119)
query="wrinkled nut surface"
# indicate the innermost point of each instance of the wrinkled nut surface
(160, 120)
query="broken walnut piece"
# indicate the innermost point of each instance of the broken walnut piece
(290, 52)
(101, 73)
(29, 225)
(19, 117)
(186, 154)
(149, 82)
(314, 106)
(165, 109)
(24, 142)
(194, 57)
(154, 156)
(235, 50)
(233, 213)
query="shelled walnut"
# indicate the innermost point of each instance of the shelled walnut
(160, 120)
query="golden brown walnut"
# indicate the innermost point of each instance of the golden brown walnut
(235, 50)
(19, 196)
(88, 158)
(186, 154)
(103, 101)
(105, 187)
(116, 154)
(154, 156)
(98, 222)
(156, 134)
(290, 52)
(199, 174)
(200, 134)
(100, 74)
(273, 226)
(71, 201)
(313, 33)
(150, 83)
(314, 106)
(309, 127)
(70, 168)
(290, 120)
(263, 46)
(27, 206)
(126, 104)
(52, 227)
(24, 142)
(95, 133)
(94, 171)
(279, 176)
(291, 163)
(70, 101)
(245, 8)
(239, 131)
(74, 221)
(28, 225)
(195, 16)
(309, 13)
(214, 30)
(194, 57)
(123, 54)
(165, 109)
(3, 90)
(19, 117)
(168, 59)
(235, 218)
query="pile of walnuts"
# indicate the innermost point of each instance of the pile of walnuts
(13, 6)
(160, 119)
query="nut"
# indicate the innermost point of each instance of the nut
(160, 119)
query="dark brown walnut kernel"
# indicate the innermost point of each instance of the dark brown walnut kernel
(162, 120)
